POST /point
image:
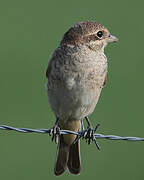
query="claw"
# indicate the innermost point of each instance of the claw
(89, 135)
(55, 132)
(96, 128)
(76, 139)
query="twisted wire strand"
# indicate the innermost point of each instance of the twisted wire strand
(81, 133)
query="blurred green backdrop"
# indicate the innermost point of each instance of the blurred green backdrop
(29, 32)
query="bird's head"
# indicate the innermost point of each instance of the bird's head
(90, 34)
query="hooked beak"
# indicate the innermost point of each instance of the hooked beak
(112, 38)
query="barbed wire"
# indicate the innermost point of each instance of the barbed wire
(80, 133)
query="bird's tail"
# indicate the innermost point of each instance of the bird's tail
(62, 157)
(74, 161)
(68, 154)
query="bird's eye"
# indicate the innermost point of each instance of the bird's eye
(99, 34)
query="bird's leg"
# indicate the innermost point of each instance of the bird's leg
(89, 133)
(88, 122)
(55, 131)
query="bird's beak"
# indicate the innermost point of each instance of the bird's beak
(112, 38)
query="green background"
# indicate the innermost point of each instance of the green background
(29, 32)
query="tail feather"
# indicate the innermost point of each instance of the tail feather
(62, 157)
(68, 154)
(74, 161)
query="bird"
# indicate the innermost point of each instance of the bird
(77, 72)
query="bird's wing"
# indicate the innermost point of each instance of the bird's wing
(49, 68)
(50, 64)
(105, 81)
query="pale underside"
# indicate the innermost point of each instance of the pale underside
(75, 81)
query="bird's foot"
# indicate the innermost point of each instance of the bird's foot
(55, 132)
(89, 135)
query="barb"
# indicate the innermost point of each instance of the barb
(80, 134)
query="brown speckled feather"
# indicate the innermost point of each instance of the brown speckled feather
(76, 73)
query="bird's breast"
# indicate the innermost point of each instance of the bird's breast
(75, 84)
